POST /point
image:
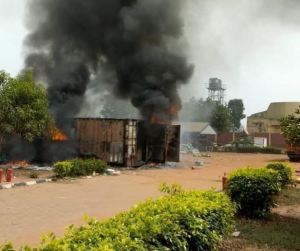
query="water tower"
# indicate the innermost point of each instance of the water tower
(216, 90)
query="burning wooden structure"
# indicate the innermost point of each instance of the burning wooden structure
(128, 142)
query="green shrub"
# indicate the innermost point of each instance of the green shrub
(254, 191)
(254, 149)
(33, 175)
(271, 150)
(189, 220)
(7, 247)
(79, 167)
(63, 168)
(285, 172)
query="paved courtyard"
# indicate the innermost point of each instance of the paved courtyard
(27, 212)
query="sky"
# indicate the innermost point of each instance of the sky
(252, 45)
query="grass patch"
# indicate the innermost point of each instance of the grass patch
(289, 197)
(276, 233)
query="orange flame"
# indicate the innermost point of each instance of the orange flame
(154, 119)
(58, 135)
(173, 110)
(22, 163)
(170, 114)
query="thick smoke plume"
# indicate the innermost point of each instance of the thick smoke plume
(135, 42)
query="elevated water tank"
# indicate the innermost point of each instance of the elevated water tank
(215, 84)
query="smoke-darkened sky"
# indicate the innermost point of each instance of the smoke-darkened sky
(253, 45)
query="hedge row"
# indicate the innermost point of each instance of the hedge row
(185, 220)
(255, 191)
(79, 167)
(254, 149)
(285, 173)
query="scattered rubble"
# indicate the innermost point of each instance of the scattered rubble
(39, 168)
(170, 165)
(206, 155)
(112, 172)
(236, 234)
(199, 163)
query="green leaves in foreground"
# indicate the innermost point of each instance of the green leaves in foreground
(254, 190)
(188, 220)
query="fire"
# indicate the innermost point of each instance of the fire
(155, 119)
(169, 115)
(22, 163)
(58, 135)
(173, 110)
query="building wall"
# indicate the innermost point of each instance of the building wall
(201, 135)
(268, 121)
(273, 139)
(229, 137)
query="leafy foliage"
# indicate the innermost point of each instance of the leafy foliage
(63, 168)
(236, 110)
(7, 247)
(221, 119)
(4, 79)
(285, 172)
(254, 191)
(254, 149)
(188, 220)
(79, 167)
(290, 127)
(23, 107)
(174, 189)
(33, 175)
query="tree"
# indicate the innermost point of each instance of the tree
(236, 109)
(23, 107)
(4, 79)
(221, 119)
(290, 127)
(118, 108)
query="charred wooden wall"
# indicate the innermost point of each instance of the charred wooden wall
(112, 140)
(159, 143)
(127, 142)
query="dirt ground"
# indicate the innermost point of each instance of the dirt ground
(27, 212)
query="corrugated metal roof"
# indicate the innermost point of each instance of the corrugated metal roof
(196, 127)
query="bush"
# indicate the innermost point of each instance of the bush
(285, 172)
(254, 149)
(63, 168)
(254, 191)
(271, 150)
(6, 247)
(33, 175)
(182, 221)
(79, 167)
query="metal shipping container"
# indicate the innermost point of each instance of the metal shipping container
(127, 142)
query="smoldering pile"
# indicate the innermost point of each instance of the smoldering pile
(134, 42)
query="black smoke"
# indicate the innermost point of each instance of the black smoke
(135, 41)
